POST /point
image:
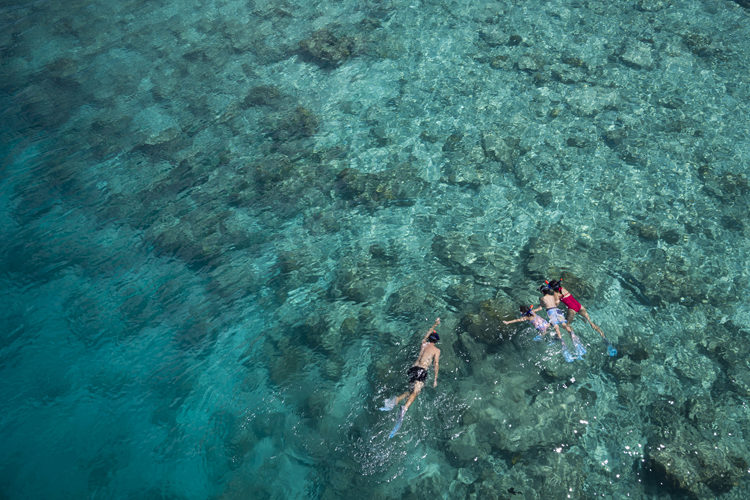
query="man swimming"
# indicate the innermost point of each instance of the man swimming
(428, 354)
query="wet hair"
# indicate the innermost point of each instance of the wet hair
(525, 310)
(555, 285)
(434, 337)
(546, 290)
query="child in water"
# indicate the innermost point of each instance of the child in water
(528, 313)
(549, 302)
(575, 307)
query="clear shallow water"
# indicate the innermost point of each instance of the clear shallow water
(224, 232)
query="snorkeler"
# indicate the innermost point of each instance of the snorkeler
(428, 354)
(549, 302)
(575, 307)
(528, 313)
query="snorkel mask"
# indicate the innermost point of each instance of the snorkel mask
(556, 285)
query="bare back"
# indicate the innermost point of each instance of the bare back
(428, 352)
(548, 301)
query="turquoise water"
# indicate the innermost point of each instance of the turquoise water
(226, 226)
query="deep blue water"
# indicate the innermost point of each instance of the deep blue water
(226, 226)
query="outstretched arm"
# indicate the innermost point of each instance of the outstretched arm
(437, 367)
(517, 320)
(432, 329)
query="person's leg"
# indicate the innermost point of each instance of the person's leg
(557, 331)
(571, 315)
(568, 357)
(586, 316)
(542, 332)
(417, 388)
(400, 397)
(413, 373)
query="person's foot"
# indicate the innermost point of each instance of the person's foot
(403, 412)
(388, 404)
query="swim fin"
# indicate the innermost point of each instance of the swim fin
(610, 348)
(566, 354)
(388, 404)
(399, 421)
(580, 350)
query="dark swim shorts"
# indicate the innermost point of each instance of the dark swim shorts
(417, 374)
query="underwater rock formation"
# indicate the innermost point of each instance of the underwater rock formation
(692, 458)
(411, 301)
(689, 462)
(327, 47)
(652, 5)
(288, 125)
(154, 126)
(398, 186)
(471, 255)
(263, 95)
(464, 449)
(637, 54)
(485, 324)
(626, 369)
(501, 148)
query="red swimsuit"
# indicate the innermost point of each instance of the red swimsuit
(571, 302)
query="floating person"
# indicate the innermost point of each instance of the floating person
(428, 354)
(528, 313)
(549, 302)
(575, 307)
